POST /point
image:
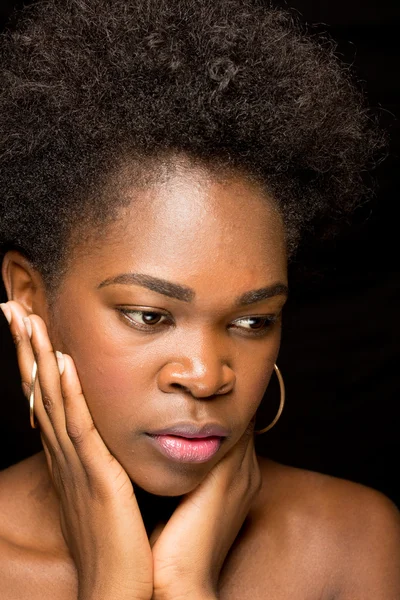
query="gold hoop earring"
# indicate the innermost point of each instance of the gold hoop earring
(32, 397)
(281, 405)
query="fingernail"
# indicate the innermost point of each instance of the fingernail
(7, 312)
(28, 325)
(60, 362)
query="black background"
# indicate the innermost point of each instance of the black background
(340, 344)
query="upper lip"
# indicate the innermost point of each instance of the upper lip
(193, 430)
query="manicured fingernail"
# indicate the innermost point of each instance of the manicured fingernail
(28, 325)
(60, 362)
(7, 312)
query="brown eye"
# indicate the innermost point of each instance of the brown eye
(151, 318)
(144, 319)
(257, 324)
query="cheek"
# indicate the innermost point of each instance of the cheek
(253, 383)
(115, 377)
(254, 371)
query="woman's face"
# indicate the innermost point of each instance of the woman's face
(170, 324)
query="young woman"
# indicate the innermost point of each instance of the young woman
(159, 163)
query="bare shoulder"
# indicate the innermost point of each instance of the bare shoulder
(351, 532)
(312, 494)
(31, 562)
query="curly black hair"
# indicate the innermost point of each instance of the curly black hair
(87, 83)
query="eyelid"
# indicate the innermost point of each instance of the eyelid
(141, 308)
(266, 318)
(125, 311)
(271, 316)
(244, 317)
(270, 321)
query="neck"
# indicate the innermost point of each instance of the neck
(154, 509)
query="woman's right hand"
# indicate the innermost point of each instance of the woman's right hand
(100, 517)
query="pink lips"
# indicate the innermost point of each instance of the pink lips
(188, 449)
(188, 442)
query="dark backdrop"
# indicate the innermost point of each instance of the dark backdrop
(340, 345)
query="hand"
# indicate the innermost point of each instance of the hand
(189, 552)
(100, 518)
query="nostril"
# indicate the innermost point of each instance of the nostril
(179, 386)
(227, 387)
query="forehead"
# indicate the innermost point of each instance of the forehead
(188, 225)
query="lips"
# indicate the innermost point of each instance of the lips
(189, 442)
(192, 430)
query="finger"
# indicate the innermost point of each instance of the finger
(15, 315)
(49, 407)
(6, 311)
(90, 447)
(26, 358)
(53, 465)
(234, 466)
(47, 453)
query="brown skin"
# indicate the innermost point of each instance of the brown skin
(304, 536)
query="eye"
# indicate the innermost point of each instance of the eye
(144, 319)
(256, 325)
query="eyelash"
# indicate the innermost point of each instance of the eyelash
(267, 320)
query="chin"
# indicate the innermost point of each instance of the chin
(177, 480)
(171, 491)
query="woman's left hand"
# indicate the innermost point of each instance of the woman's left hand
(189, 552)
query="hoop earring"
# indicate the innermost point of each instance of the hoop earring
(32, 397)
(281, 405)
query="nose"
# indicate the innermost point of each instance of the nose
(202, 373)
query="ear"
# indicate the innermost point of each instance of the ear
(22, 281)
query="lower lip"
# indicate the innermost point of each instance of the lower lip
(193, 450)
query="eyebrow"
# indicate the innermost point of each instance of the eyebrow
(161, 286)
(187, 294)
(276, 289)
